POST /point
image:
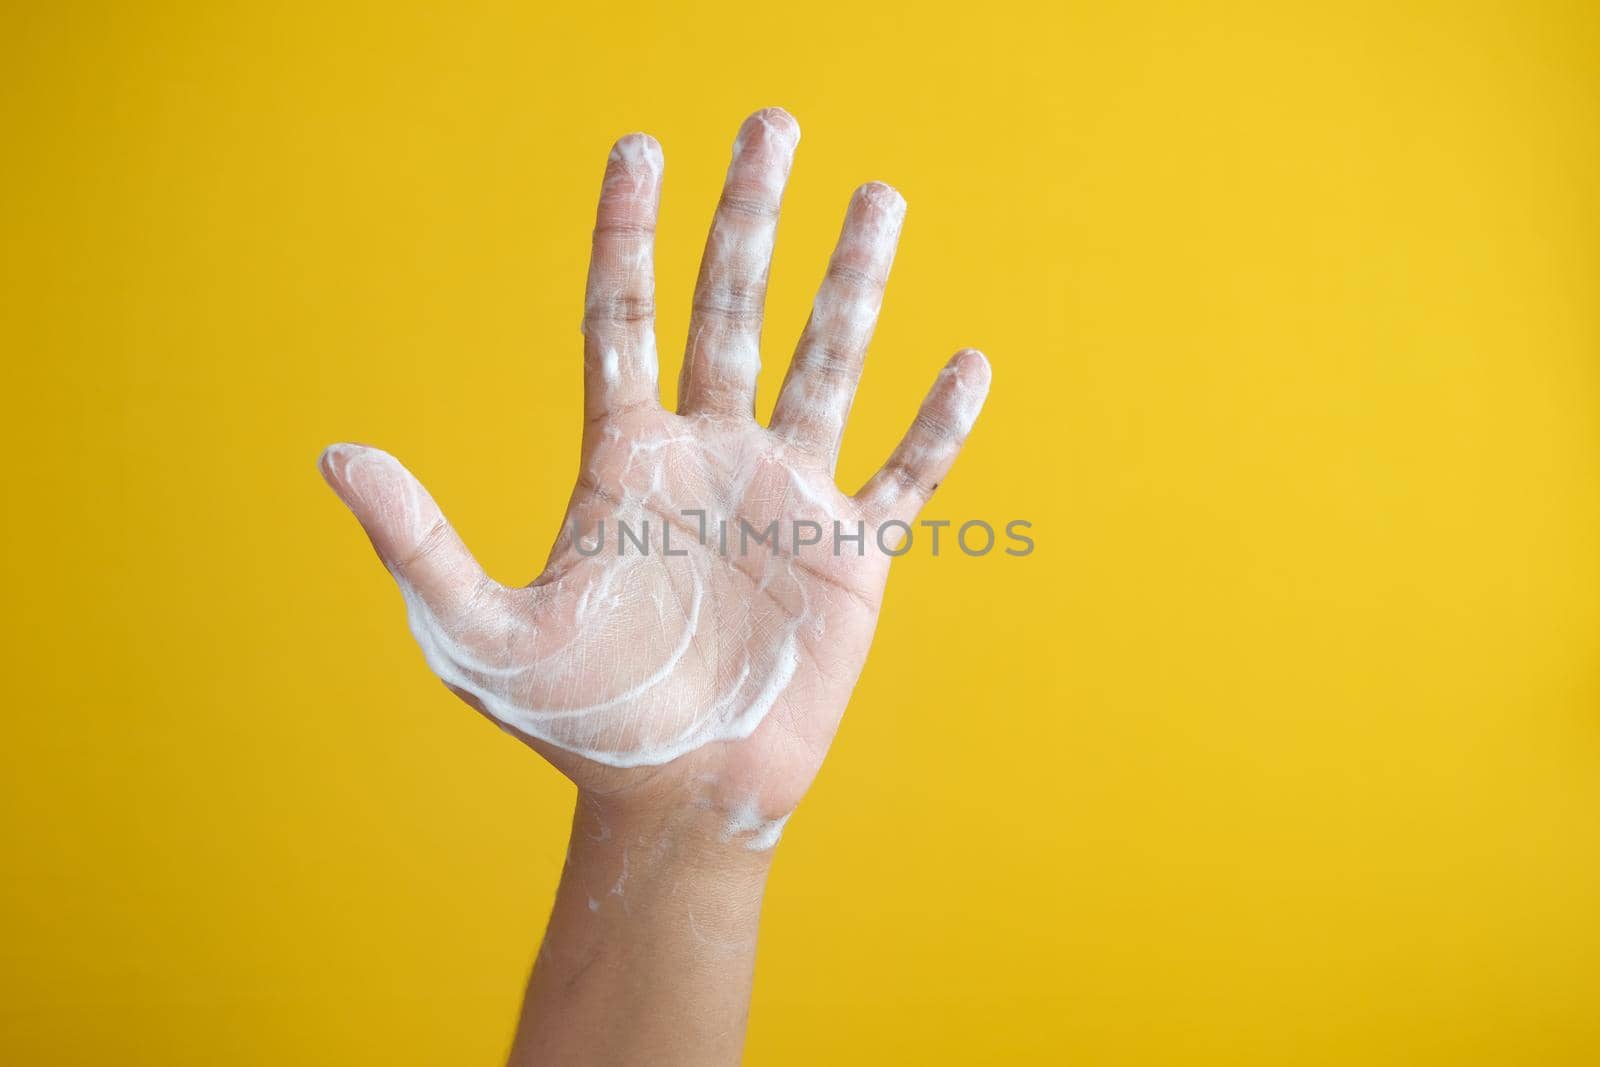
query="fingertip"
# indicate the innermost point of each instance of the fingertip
(974, 369)
(369, 480)
(333, 460)
(770, 121)
(781, 123)
(637, 152)
(882, 196)
(971, 377)
(778, 118)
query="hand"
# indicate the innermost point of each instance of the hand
(710, 681)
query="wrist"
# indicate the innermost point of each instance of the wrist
(689, 848)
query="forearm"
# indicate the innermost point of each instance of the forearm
(650, 950)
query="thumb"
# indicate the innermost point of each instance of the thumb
(405, 526)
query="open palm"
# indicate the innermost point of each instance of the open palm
(712, 595)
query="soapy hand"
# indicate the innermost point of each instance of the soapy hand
(695, 635)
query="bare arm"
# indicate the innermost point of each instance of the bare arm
(651, 946)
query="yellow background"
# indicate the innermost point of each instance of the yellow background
(1284, 747)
